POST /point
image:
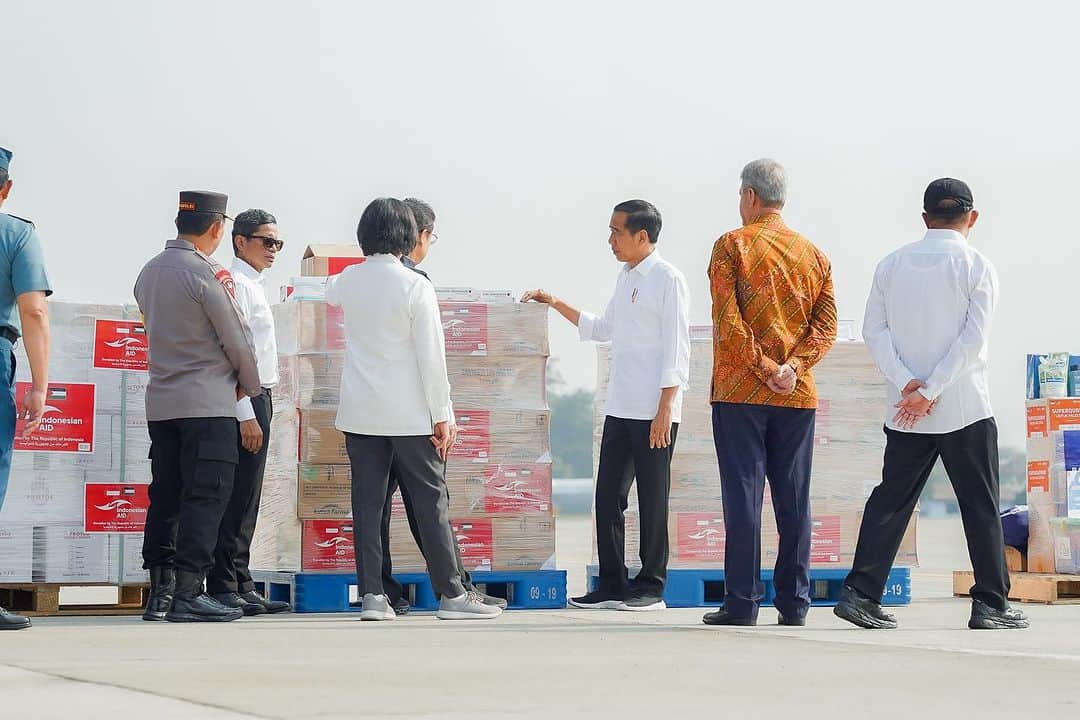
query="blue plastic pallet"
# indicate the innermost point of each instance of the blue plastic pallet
(705, 588)
(336, 592)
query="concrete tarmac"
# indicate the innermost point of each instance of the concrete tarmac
(555, 664)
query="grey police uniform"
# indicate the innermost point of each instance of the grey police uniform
(200, 352)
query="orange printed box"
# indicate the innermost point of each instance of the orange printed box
(1063, 413)
(1038, 418)
(1038, 476)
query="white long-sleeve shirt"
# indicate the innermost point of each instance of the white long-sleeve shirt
(394, 381)
(928, 318)
(251, 297)
(647, 322)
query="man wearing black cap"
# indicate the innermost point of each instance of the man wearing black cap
(927, 325)
(23, 312)
(202, 361)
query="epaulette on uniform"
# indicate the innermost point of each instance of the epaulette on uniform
(16, 217)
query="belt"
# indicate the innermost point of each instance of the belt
(9, 334)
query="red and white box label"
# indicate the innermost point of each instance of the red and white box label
(121, 345)
(474, 435)
(701, 537)
(334, 265)
(68, 423)
(475, 541)
(327, 546)
(825, 539)
(115, 507)
(517, 488)
(465, 327)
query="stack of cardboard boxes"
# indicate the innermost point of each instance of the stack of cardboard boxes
(1053, 475)
(848, 452)
(498, 475)
(76, 499)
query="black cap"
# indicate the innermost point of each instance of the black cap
(954, 194)
(203, 201)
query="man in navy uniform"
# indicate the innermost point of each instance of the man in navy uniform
(202, 361)
(24, 286)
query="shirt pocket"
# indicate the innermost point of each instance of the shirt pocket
(215, 469)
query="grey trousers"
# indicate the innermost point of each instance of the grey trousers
(416, 464)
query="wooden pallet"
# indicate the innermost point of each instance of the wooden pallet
(1028, 587)
(43, 599)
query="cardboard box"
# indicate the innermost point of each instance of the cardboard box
(502, 435)
(1066, 537)
(16, 553)
(1040, 538)
(492, 488)
(320, 442)
(324, 492)
(486, 542)
(326, 260)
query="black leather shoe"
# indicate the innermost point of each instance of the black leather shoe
(723, 617)
(860, 611)
(201, 608)
(162, 589)
(984, 617)
(11, 621)
(272, 607)
(401, 606)
(233, 600)
(793, 621)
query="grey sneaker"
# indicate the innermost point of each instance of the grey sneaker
(469, 606)
(377, 607)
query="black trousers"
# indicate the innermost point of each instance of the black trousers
(230, 572)
(193, 467)
(970, 456)
(416, 464)
(754, 442)
(391, 586)
(625, 455)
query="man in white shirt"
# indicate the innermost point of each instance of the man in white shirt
(927, 325)
(255, 245)
(647, 324)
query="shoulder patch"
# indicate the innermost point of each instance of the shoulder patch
(16, 217)
(226, 279)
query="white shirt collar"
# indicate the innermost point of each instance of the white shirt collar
(240, 267)
(646, 265)
(943, 236)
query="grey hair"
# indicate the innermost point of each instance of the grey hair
(768, 179)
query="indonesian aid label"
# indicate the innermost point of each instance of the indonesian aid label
(474, 435)
(474, 539)
(68, 423)
(115, 507)
(517, 488)
(334, 265)
(701, 537)
(328, 546)
(465, 326)
(120, 345)
(825, 539)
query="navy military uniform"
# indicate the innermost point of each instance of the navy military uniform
(201, 356)
(22, 270)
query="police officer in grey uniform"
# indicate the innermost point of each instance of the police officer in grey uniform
(201, 362)
(23, 313)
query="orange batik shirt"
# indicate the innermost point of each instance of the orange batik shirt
(772, 302)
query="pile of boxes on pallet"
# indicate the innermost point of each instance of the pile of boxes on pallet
(1053, 463)
(76, 500)
(498, 475)
(848, 452)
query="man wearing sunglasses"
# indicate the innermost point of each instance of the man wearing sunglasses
(255, 244)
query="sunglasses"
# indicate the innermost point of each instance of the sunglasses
(268, 242)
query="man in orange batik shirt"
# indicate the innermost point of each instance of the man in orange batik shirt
(774, 317)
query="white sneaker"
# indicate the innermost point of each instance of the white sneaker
(468, 606)
(377, 607)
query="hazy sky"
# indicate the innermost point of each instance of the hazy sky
(523, 124)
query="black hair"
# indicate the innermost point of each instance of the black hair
(641, 215)
(196, 223)
(947, 212)
(248, 222)
(3, 176)
(422, 213)
(387, 227)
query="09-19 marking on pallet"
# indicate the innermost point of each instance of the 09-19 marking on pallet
(43, 599)
(1028, 587)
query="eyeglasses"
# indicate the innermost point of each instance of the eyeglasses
(433, 239)
(268, 242)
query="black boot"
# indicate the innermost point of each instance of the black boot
(192, 604)
(235, 600)
(162, 588)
